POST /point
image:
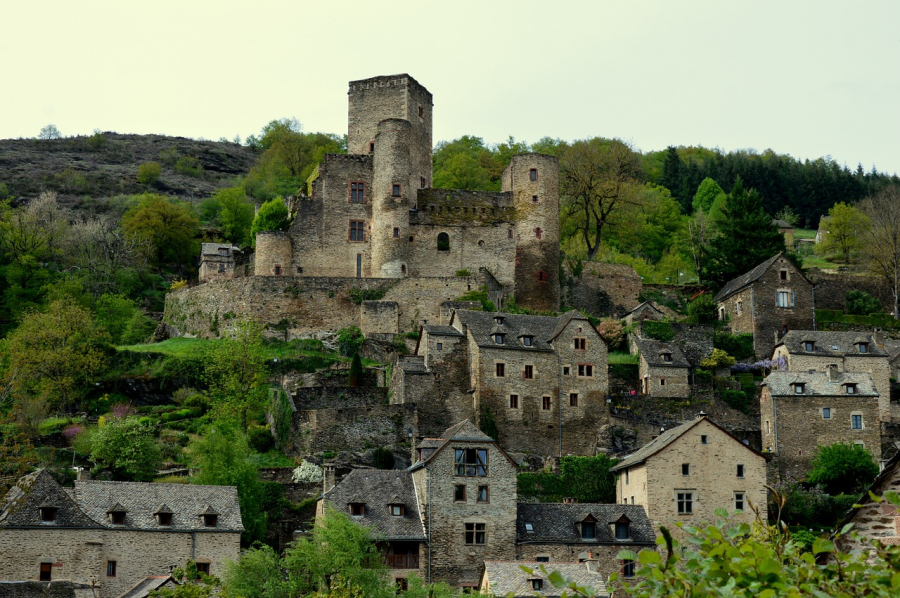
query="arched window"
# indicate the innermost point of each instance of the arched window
(443, 242)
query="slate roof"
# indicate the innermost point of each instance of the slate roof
(828, 344)
(141, 500)
(143, 588)
(378, 488)
(506, 578)
(652, 351)
(483, 326)
(441, 330)
(412, 363)
(733, 286)
(782, 223)
(892, 348)
(213, 248)
(554, 523)
(646, 305)
(43, 589)
(464, 431)
(818, 384)
(21, 505)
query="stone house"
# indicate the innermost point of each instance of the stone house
(858, 352)
(786, 229)
(663, 369)
(689, 471)
(508, 579)
(768, 301)
(875, 520)
(217, 261)
(580, 532)
(114, 534)
(802, 410)
(384, 500)
(644, 311)
(543, 380)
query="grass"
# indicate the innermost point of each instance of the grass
(804, 233)
(273, 459)
(194, 347)
(622, 357)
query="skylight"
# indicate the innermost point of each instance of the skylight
(529, 527)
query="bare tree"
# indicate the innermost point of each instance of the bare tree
(98, 248)
(596, 176)
(881, 240)
(49, 132)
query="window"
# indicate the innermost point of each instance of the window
(538, 232)
(739, 306)
(667, 357)
(221, 268)
(580, 344)
(826, 412)
(740, 471)
(782, 275)
(851, 389)
(767, 428)
(411, 238)
(585, 370)
(784, 299)
(46, 571)
(534, 199)
(532, 174)
(565, 370)
(471, 462)
(117, 517)
(528, 372)
(799, 388)
(542, 559)
(809, 346)
(856, 422)
(48, 514)
(421, 111)
(443, 242)
(528, 341)
(500, 370)
(545, 403)
(203, 568)
(397, 510)
(738, 501)
(703, 439)
(482, 494)
(396, 233)
(164, 518)
(357, 509)
(529, 527)
(628, 568)
(277, 270)
(622, 530)
(863, 347)
(685, 502)
(210, 520)
(513, 401)
(110, 568)
(459, 493)
(662, 381)
(499, 338)
(588, 530)
(541, 276)
(358, 190)
(685, 469)
(537, 584)
(357, 232)
(573, 399)
(475, 533)
(395, 190)
(223, 251)
(422, 182)
(626, 476)
(440, 346)
(402, 584)
(509, 234)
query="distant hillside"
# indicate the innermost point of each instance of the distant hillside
(85, 170)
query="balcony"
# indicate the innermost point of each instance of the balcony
(402, 561)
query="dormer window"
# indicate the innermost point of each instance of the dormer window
(498, 320)
(809, 346)
(851, 389)
(528, 341)
(357, 509)
(537, 584)
(666, 357)
(589, 529)
(529, 528)
(163, 516)
(799, 388)
(863, 347)
(623, 528)
(116, 514)
(396, 510)
(48, 514)
(210, 520)
(499, 338)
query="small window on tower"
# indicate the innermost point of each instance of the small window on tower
(395, 190)
(538, 232)
(532, 174)
(396, 232)
(371, 146)
(422, 182)
(277, 270)
(542, 276)
(534, 199)
(421, 111)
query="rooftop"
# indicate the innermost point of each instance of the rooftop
(827, 343)
(819, 384)
(507, 578)
(555, 523)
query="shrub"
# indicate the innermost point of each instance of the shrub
(148, 173)
(383, 458)
(843, 468)
(349, 340)
(357, 296)
(718, 358)
(737, 399)
(661, 331)
(307, 473)
(738, 345)
(260, 439)
(463, 272)
(702, 377)
(481, 296)
(356, 371)
(861, 303)
(703, 308)
(612, 333)
(189, 165)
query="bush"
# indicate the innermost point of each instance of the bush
(148, 173)
(661, 331)
(843, 468)
(702, 377)
(612, 333)
(189, 165)
(738, 345)
(718, 358)
(350, 340)
(307, 472)
(383, 458)
(260, 439)
(481, 296)
(861, 303)
(737, 399)
(357, 296)
(703, 309)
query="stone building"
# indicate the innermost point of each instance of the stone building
(114, 534)
(579, 532)
(875, 520)
(768, 301)
(802, 410)
(543, 380)
(217, 261)
(373, 214)
(858, 352)
(689, 471)
(786, 229)
(663, 369)
(645, 311)
(509, 579)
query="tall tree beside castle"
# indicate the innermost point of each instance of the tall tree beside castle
(747, 237)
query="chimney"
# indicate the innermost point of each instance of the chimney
(570, 500)
(328, 478)
(83, 475)
(591, 562)
(833, 375)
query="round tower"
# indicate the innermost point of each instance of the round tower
(273, 254)
(533, 180)
(391, 190)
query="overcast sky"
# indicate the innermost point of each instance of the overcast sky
(806, 78)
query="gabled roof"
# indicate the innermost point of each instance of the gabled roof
(555, 523)
(733, 286)
(143, 588)
(831, 344)
(544, 329)
(506, 578)
(652, 351)
(818, 384)
(668, 437)
(441, 330)
(378, 489)
(893, 349)
(645, 306)
(21, 505)
(464, 431)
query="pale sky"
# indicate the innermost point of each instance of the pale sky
(805, 78)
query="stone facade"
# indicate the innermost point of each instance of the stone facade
(663, 369)
(605, 289)
(688, 472)
(875, 520)
(800, 411)
(217, 262)
(79, 537)
(770, 300)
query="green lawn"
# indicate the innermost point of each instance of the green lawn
(804, 233)
(188, 347)
(622, 357)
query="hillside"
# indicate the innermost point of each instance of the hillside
(84, 170)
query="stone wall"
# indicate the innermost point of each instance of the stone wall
(350, 429)
(605, 555)
(337, 397)
(379, 317)
(605, 289)
(876, 520)
(832, 287)
(661, 381)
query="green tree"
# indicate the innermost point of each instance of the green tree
(257, 574)
(122, 319)
(356, 371)
(127, 447)
(272, 216)
(224, 458)
(237, 375)
(170, 228)
(466, 163)
(708, 192)
(843, 468)
(703, 309)
(235, 215)
(844, 231)
(881, 246)
(49, 132)
(861, 303)
(17, 456)
(747, 238)
(104, 260)
(673, 173)
(57, 353)
(148, 173)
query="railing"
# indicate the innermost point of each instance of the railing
(402, 561)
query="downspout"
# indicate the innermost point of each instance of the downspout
(559, 397)
(775, 421)
(193, 545)
(752, 316)
(430, 529)
(814, 306)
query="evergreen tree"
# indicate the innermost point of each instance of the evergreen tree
(673, 171)
(747, 238)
